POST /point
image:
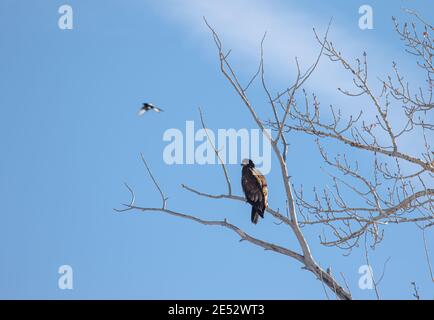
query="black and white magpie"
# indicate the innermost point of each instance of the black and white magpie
(148, 106)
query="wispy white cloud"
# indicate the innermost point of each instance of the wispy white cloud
(242, 24)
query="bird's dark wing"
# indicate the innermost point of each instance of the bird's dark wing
(263, 183)
(251, 187)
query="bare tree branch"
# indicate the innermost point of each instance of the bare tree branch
(225, 172)
(163, 198)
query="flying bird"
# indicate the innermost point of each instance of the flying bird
(255, 189)
(148, 106)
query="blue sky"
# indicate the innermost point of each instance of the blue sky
(71, 137)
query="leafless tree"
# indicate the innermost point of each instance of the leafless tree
(395, 190)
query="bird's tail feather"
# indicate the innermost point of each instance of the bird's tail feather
(256, 212)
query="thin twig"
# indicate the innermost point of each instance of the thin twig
(163, 198)
(228, 182)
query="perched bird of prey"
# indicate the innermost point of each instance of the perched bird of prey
(148, 106)
(255, 189)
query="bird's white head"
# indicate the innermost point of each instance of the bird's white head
(247, 162)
